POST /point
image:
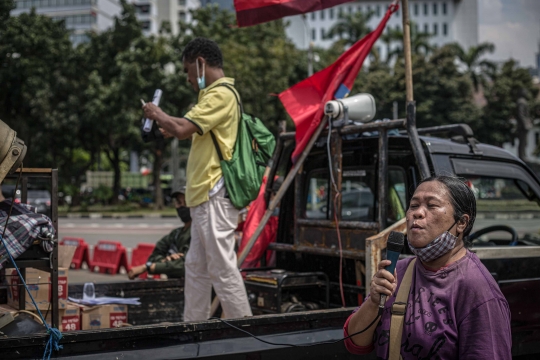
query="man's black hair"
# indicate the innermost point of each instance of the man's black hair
(205, 48)
(462, 200)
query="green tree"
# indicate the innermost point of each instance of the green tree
(475, 67)
(443, 95)
(38, 96)
(260, 58)
(502, 95)
(419, 42)
(350, 28)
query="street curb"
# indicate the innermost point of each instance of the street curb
(115, 216)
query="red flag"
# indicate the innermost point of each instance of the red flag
(268, 235)
(253, 12)
(305, 101)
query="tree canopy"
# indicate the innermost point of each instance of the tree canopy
(78, 108)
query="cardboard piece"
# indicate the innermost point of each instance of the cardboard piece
(103, 316)
(70, 318)
(38, 282)
(65, 255)
(7, 314)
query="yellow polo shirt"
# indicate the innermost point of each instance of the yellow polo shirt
(216, 110)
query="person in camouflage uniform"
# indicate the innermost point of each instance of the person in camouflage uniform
(169, 254)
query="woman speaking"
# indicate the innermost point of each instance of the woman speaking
(454, 308)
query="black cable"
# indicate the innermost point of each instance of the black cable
(294, 345)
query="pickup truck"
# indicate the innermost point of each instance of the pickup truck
(299, 300)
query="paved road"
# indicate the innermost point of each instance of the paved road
(128, 231)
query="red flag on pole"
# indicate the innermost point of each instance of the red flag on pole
(305, 101)
(256, 212)
(253, 12)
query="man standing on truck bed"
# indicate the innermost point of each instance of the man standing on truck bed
(211, 260)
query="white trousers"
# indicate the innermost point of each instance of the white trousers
(211, 261)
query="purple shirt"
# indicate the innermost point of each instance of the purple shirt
(456, 312)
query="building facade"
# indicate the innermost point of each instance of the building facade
(153, 13)
(80, 15)
(446, 20)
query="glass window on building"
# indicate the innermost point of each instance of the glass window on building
(181, 2)
(435, 8)
(368, 9)
(331, 14)
(415, 9)
(313, 16)
(378, 10)
(398, 12)
(313, 34)
(426, 28)
(444, 9)
(322, 14)
(350, 9)
(182, 16)
(143, 9)
(145, 25)
(359, 9)
(426, 9)
(340, 12)
(322, 34)
(445, 29)
(435, 29)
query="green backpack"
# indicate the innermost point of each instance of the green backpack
(253, 149)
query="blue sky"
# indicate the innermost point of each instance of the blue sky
(513, 26)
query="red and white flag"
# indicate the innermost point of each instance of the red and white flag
(253, 12)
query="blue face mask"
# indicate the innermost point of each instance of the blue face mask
(201, 81)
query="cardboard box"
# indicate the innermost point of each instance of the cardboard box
(38, 283)
(7, 314)
(70, 318)
(103, 317)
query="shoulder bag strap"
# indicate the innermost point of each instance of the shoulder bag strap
(216, 145)
(230, 87)
(398, 314)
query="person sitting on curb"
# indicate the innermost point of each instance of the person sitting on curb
(169, 254)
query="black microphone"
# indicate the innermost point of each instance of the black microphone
(393, 249)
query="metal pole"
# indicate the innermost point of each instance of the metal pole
(407, 49)
(411, 104)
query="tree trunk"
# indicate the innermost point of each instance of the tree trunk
(114, 158)
(522, 138)
(156, 173)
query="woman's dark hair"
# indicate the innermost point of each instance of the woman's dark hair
(205, 48)
(462, 200)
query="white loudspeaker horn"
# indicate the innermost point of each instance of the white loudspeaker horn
(360, 107)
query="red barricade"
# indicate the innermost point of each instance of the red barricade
(139, 256)
(109, 256)
(82, 254)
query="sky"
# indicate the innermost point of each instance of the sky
(513, 26)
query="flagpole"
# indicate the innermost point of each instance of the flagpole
(411, 104)
(407, 50)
